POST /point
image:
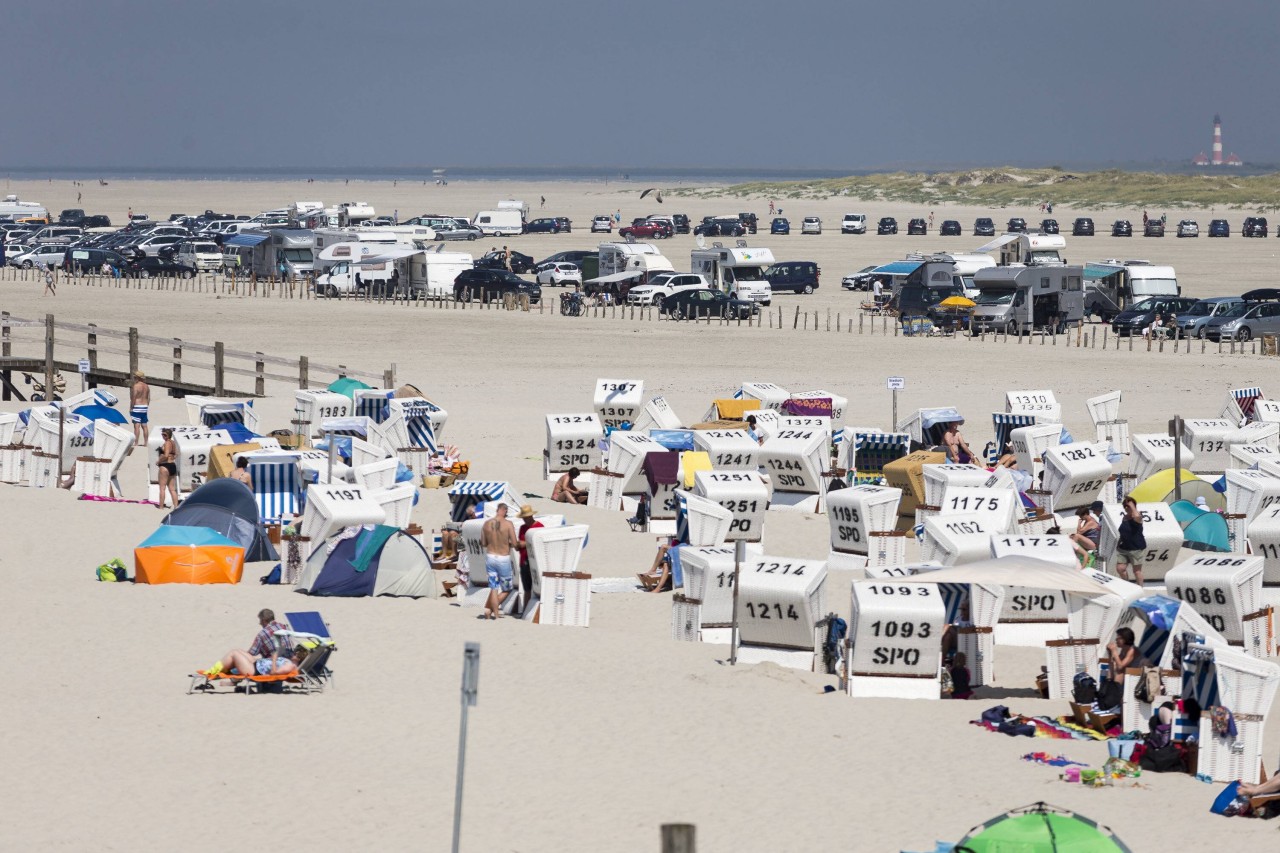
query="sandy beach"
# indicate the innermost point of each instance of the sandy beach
(582, 739)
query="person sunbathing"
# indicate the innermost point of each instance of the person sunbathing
(566, 492)
(659, 574)
(240, 662)
(1087, 536)
(1271, 786)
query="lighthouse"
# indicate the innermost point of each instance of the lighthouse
(1217, 140)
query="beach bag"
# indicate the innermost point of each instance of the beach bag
(113, 571)
(948, 686)
(1229, 803)
(996, 715)
(1016, 728)
(1084, 689)
(1148, 686)
(1162, 759)
(1119, 748)
(272, 576)
(1110, 694)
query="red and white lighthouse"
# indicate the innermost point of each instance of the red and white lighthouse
(1217, 140)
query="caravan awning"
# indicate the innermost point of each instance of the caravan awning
(245, 239)
(391, 253)
(1094, 272)
(618, 276)
(999, 242)
(897, 268)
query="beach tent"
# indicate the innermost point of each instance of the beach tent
(1159, 488)
(1040, 827)
(377, 560)
(228, 508)
(348, 386)
(97, 412)
(1202, 529)
(175, 554)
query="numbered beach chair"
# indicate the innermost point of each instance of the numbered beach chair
(465, 494)
(97, 475)
(1240, 404)
(277, 484)
(1217, 676)
(1004, 424)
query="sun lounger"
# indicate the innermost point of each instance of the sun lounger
(313, 674)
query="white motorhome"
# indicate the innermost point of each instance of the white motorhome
(1112, 285)
(1027, 249)
(738, 271)
(430, 271)
(16, 210)
(499, 223)
(967, 265)
(350, 267)
(351, 213)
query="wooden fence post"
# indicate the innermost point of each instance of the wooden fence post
(303, 368)
(177, 360)
(48, 358)
(679, 838)
(133, 350)
(92, 346)
(389, 376)
(219, 357)
(259, 381)
(6, 345)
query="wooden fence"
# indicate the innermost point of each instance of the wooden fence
(47, 347)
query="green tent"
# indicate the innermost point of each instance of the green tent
(348, 386)
(1040, 827)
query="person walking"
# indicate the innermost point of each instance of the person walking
(139, 404)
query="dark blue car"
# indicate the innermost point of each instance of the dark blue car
(549, 225)
(780, 226)
(1219, 228)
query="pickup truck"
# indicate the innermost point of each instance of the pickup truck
(665, 284)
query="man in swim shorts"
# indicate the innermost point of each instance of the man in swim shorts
(499, 540)
(139, 403)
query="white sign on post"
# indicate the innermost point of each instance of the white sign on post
(895, 383)
(84, 365)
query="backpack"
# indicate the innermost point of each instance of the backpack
(1162, 759)
(1149, 686)
(273, 576)
(1084, 689)
(113, 571)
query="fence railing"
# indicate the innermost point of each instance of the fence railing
(112, 356)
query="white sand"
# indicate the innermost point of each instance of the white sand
(583, 739)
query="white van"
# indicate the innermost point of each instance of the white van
(499, 223)
(854, 223)
(432, 273)
(200, 255)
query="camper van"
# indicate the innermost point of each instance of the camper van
(738, 271)
(352, 213)
(1027, 249)
(431, 273)
(1022, 298)
(966, 265)
(18, 211)
(348, 268)
(1111, 286)
(499, 223)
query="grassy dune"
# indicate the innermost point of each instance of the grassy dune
(1015, 186)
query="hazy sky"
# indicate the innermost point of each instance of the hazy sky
(644, 83)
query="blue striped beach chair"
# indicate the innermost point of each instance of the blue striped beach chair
(215, 414)
(465, 494)
(417, 420)
(1004, 424)
(874, 450)
(278, 484)
(372, 403)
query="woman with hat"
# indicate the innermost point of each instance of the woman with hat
(527, 523)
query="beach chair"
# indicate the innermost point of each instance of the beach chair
(277, 484)
(1004, 423)
(309, 628)
(97, 475)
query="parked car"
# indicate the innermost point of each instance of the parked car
(72, 216)
(983, 226)
(721, 227)
(793, 276)
(1254, 226)
(682, 222)
(811, 225)
(457, 231)
(1017, 225)
(749, 222)
(49, 253)
(1192, 322)
(1219, 228)
(1121, 228)
(572, 256)
(918, 227)
(149, 267)
(549, 225)
(490, 284)
(1049, 226)
(561, 274)
(602, 225)
(1257, 315)
(887, 225)
(693, 304)
(520, 262)
(665, 284)
(646, 229)
(950, 228)
(91, 260)
(779, 225)
(1188, 228)
(860, 280)
(1082, 227)
(97, 220)
(1153, 228)
(1139, 315)
(854, 223)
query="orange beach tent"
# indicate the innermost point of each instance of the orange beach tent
(175, 554)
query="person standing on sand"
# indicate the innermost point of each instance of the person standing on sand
(499, 539)
(506, 258)
(139, 404)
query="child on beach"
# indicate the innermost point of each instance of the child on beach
(961, 680)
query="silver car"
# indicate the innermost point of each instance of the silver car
(1247, 320)
(456, 231)
(50, 254)
(1188, 228)
(1193, 321)
(811, 225)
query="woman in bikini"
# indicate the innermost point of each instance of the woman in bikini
(167, 467)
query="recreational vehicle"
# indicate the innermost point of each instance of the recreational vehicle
(499, 223)
(620, 265)
(350, 267)
(1021, 298)
(352, 213)
(737, 271)
(18, 211)
(1111, 286)
(1027, 249)
(966, 264)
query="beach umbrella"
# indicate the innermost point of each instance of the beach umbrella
(180, 554)
(1202, 530)
(957, 302)
(348, 386)
(1158, 488)
(96, 412)
(1040, 827)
